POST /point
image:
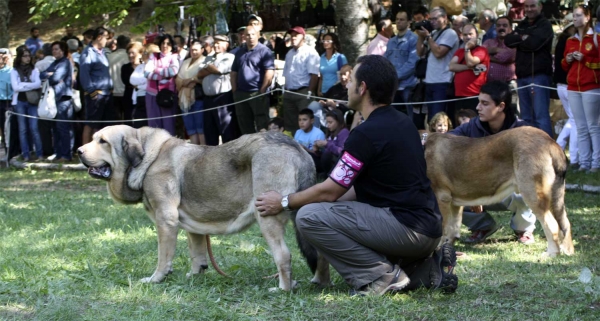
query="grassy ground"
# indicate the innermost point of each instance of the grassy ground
(69, 253)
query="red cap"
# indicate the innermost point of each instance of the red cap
(298, 29)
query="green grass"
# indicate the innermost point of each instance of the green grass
(68, 252)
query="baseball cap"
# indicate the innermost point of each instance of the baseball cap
(221, 38)
(298, 29)
(255, 17)
(242, 28)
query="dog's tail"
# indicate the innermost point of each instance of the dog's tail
(307, 177)
(559, 162)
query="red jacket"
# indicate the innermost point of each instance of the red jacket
(585, 74)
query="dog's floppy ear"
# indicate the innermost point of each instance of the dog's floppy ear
(133, 150)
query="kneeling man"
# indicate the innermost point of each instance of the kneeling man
(376, 210)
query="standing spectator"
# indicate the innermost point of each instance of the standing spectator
(251, 74)
(5, 92)
(469, 65)
(139, 83)
(70, 34)
(44, 125)
(88, 36)
(161, 70)
(487, 23)
(533, 40)
(442, 44)
(73, 46)
(402, 53)
(216, 84)
(94, 76)
(502, 58)
(241, 40)
(457, 24)
(34, 43)
(60, 76)
(301, 72)
(569, 131)
(331, 147)
(257, 22)
(332, 61)
(581, 57)
(385, 30)
(181, 52)
(134, 51)
(422, 13)
(116, 60)
(24, 78)
(190, 103)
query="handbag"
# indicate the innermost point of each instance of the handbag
(33, 97)
(47, 105)
(164, 98)
(76, 97)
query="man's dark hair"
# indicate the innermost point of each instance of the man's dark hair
(276, 121)
(98, 32)
(469, 113)
(307, 112)
(34, 29)
(472, 26)
(408, 15)
(180, 40)
(88, 34)
(380, 77)
(47, 49)
(500, 93)
(510, 22)
(422, 10)
(123, 42)
(382, 24)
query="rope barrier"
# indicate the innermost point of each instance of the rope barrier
(267, 93)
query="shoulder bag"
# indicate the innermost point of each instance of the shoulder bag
(421, 66)
(47, 105)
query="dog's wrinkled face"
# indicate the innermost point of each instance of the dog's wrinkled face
(97, 155)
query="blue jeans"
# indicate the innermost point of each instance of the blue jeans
(403, 96)
(435, 92)
(28, 126)
(534, 102)
(62, 130)
(194, 123)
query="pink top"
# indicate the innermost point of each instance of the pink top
(161, 71)
(378, 45)
(503, 66)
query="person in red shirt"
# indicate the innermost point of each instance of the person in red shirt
(470, 65)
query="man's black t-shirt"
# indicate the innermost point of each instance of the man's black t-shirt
(384, 160)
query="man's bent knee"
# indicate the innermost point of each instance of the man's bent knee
(308, 215)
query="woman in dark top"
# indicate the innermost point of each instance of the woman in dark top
(135, 103)
(60, 76)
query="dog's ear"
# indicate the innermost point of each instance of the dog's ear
(133, 150)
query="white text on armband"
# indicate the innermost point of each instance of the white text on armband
(346, 170)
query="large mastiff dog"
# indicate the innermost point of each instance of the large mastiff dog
(481, 171)
(203, 190)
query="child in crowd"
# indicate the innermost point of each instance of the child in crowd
(440, 123)
(463, 116)
(307, 134)
(276, 125)
(337, 133)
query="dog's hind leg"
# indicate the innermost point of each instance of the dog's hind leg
(197, 247)
(560, 214)
(538, 199)
(452, 218)
(273, 230)
(322, 276)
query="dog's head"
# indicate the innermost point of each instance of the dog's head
(113, 152)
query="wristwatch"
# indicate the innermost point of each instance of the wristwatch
(285, 203)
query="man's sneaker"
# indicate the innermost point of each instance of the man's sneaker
(525, 238)
(391, 281)
(442, 274)
(479, 236)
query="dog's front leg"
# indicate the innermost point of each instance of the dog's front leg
(197, 247)
(166, 228)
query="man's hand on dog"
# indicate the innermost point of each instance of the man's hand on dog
(269, 203)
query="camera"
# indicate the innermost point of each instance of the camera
(425, 23)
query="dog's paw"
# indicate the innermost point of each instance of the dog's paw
(148, 280)
(274, 289)
(549, 255)
(321, 283)
(191, 274)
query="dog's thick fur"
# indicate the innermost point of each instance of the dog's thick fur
(203, 190)
(481, 171)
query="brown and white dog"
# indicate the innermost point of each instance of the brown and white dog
(201, 189)
(481, 171)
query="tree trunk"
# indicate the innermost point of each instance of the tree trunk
(352, 19)
(145, 11)
(5, 15)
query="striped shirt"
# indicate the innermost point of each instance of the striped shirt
(161, 71)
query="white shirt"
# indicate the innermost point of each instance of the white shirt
(116, 60)
(43, 64)
(137, 79)
(299, 65)
(215, 84)
(18, 86)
